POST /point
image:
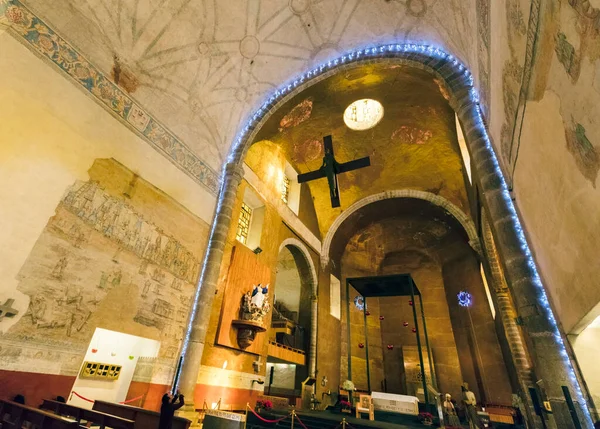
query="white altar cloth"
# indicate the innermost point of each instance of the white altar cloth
(401, 404)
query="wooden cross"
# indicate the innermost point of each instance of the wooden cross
(331, 168)
(6, 309)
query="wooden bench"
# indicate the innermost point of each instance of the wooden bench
(13, 416)
(84, 417)
(144, 419)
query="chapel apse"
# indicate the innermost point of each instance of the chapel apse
(413, 236)
(118, 254)
(414, 146)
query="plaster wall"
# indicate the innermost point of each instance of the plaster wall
(201, 68)
(554, 157)
(586, 346)
(40, 163)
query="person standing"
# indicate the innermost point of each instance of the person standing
(168, 408)
(470, 403)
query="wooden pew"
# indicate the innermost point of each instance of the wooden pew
(13, 416)
(98, 418)
(144, 419)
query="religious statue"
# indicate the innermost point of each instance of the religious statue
(470, 403)
(255, 306)
(450, 417)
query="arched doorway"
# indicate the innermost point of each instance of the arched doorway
(292, 319)
(456, 83)
(419, 237)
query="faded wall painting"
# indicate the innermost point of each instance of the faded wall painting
(118, 254)
(513, 72)
(483, 53)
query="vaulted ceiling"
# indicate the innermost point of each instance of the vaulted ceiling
(200, 67)
(413, 147)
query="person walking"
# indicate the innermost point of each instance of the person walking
(168, 408)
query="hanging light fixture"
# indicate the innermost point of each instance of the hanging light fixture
(363, 114)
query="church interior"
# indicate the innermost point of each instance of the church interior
(299, 213)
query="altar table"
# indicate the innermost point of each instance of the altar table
(401, 404)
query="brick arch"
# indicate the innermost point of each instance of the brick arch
(442, 202)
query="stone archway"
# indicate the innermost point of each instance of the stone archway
(549, 353)
(303, 250)
(442, 202)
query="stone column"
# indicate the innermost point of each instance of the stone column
(205, 291)
(549, 356)
(312, 359)
(508, 316)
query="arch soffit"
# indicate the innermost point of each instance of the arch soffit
(466, 222)
(294, 242)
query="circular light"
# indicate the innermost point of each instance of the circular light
(464, 299)
(359, 302)
(363, 114)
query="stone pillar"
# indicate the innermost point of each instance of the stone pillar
(205, 292)
(548, 353)
(312, 358)
(508, 316)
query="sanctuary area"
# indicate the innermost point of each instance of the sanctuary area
(313, 214)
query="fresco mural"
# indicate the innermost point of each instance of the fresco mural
(577, 45)
(513, 71)
(484, 30)
(106, 261)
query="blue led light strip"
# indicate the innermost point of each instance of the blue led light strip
(398, 50)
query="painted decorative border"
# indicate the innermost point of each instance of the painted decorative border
(533, 29)
(40, 38)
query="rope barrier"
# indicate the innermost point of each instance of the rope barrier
(348, 425)
(132, 400)
(266, 420)
(123, 402)
(82, 397)
(300, 421)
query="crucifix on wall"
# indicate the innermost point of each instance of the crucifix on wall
(331, 168)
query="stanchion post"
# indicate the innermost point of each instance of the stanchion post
(293, 418)
(246, 420)
(344, 423)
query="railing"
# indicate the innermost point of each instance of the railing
(286, 353)
(438, 404)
